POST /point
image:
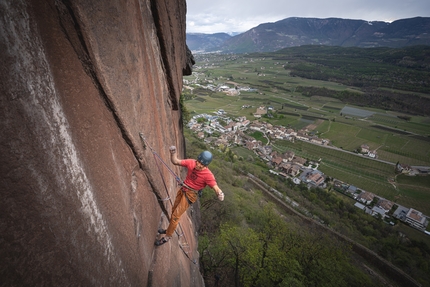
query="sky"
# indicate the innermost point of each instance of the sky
(215, 16)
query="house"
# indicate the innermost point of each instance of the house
(366, 197)
(316, 140)
(288, 156)
(245, 123)
(252, 144)
(285, 166)
(279, 135)
(376, 210)
(261, 110)
(364, 148)
(352, 189)
(401, 212)
(276, 160)
(416, 219)
(230, 126)
(290, 169)
(195, 126)
(267, 149)
(403, 168)
(282, 129)
(256, 126)
(221, 141)
(302, 136)
(338, 183)
(385, 204)
(232, 92)
(372, 154)
(237, 140)
(291, 132)
(294, 170)
(315, 178)
(274, 154)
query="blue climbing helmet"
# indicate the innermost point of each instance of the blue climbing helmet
(205, 158)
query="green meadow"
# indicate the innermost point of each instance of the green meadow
(395, 136)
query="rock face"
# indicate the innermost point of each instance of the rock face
(81, 195)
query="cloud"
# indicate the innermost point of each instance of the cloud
(204, 16)
(209, 23)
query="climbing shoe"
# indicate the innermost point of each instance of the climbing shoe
(161, 231)
(161, 241)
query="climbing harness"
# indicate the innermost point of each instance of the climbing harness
(186, 187)
(179, 182)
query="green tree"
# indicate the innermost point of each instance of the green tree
(184, 111)
(243, 248)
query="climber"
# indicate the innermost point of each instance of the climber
(198, 176)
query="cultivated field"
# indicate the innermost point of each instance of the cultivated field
(346, 126)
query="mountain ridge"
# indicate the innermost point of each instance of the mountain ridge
(297, 31)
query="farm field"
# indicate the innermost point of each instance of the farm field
(346, 126)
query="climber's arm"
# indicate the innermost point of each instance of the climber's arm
(218, 192)
(173, 156)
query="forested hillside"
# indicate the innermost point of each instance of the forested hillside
(382, 75)
(249, 241)
(297, 31)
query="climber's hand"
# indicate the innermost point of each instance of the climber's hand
(221, 196)
(172, 149)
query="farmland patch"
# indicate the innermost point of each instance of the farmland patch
(356, 112)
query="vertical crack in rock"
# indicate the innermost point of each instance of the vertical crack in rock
(164, 54)
(73, 33)
(159, 199)
(154, 188)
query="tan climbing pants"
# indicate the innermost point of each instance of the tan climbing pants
(179, 207)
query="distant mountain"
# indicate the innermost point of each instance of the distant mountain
(290, 32)
(198, 42)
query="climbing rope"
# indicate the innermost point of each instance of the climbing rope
(156, 156)
(178, 180)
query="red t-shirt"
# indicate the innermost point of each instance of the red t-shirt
(197, 179)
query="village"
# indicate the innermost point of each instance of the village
(220, 130)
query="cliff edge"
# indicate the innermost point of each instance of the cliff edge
(84, 85)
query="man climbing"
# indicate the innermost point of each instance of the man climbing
(198, 176)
